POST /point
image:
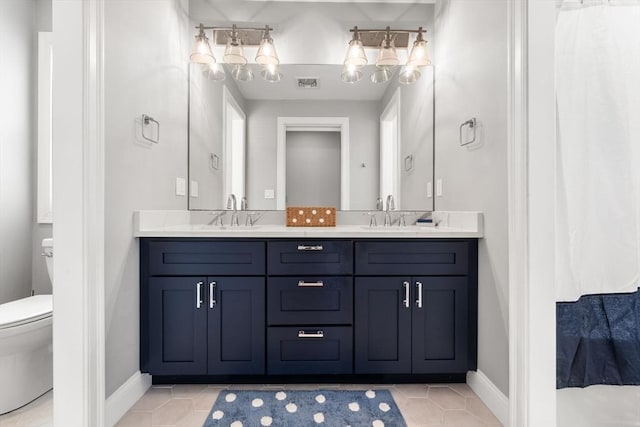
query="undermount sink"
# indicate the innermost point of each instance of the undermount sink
(226, 227)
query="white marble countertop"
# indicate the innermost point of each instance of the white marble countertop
(178, 224)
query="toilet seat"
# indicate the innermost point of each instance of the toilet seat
(25, 310)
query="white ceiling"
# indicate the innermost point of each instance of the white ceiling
(331, 86)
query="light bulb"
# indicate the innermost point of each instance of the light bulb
(355, 52)
(419, 56)
(267, 51)
(201, 52)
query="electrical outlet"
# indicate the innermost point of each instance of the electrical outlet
(181, 186)
(429, 189)
(269, 193)
(194, 188)
(439, 187)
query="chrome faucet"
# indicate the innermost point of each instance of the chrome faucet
(387, 213)
(217, 218)
(233, 204)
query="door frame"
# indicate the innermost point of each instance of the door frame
(394, 105)
(312, 124)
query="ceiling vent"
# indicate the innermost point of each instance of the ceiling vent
(308, 82)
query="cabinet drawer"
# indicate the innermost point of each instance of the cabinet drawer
(412, 258)
(310, 301)
(220, 258)
(308, 257)
(309, 350)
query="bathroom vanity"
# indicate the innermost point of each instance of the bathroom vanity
(313, 305)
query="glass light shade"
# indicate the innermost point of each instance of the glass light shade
(242, 73)
(267, 53)
(387, 55)
(356, 56)
(409, 75)
(234, 54)
(201, 52)
(419, 56)
(351, 74)
(381, 74)
(213, 72)
(271, 73)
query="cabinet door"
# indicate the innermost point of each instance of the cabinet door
(440, 325)
(177, 326)
(382, 325)
(236, 320)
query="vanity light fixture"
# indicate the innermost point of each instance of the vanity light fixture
(201, 52)
(386, 40)
(235, 39)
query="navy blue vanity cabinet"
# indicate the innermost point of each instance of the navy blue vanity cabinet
(202, 307)
(310, 307)
(422, 322)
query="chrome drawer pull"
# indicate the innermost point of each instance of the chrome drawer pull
(303, 284)
(419, 300)
(405, 302)
(316, 334)
(310, 247)
(212, 294)
(199, 294)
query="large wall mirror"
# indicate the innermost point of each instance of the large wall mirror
(310, 138)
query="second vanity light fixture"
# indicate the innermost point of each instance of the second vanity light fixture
(201, 52)
(387, 58)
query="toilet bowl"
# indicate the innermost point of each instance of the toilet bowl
(26, 356)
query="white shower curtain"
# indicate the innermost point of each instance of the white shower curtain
(598, 163)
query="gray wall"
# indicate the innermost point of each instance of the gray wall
(471, 67)
(18, 41)
(145, 72)
(313, 169)
(416, 135)
(205, 136)
(364, 128)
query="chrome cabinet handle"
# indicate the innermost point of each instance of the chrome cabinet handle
(405, 285)
(315, 334)
(419, 300)
(199, 294)
(303, 284)
(212, 294)
(310, 247)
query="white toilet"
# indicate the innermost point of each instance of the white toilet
(26, 356)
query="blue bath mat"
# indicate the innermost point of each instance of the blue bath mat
(294, 408)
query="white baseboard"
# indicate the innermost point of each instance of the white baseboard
(490, 395)
(125, 396)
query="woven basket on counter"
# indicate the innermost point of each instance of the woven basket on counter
(314, 216)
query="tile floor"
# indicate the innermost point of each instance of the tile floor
(189, 405)
(420, 404)
(38, 413)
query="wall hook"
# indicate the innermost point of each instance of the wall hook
(472, 125)
(146, 120)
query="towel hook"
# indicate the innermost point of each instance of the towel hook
(472, 125)
(146, 120)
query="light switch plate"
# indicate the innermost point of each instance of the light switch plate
(429, 189)
(194, 188)
(269, 193)
(439, 187)
(181, 186)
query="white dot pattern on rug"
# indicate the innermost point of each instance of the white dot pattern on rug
(291, 408)
(236, 408)
(266, 421)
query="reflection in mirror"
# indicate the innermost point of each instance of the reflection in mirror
(310, 138)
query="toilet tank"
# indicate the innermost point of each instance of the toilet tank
(47, 252)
